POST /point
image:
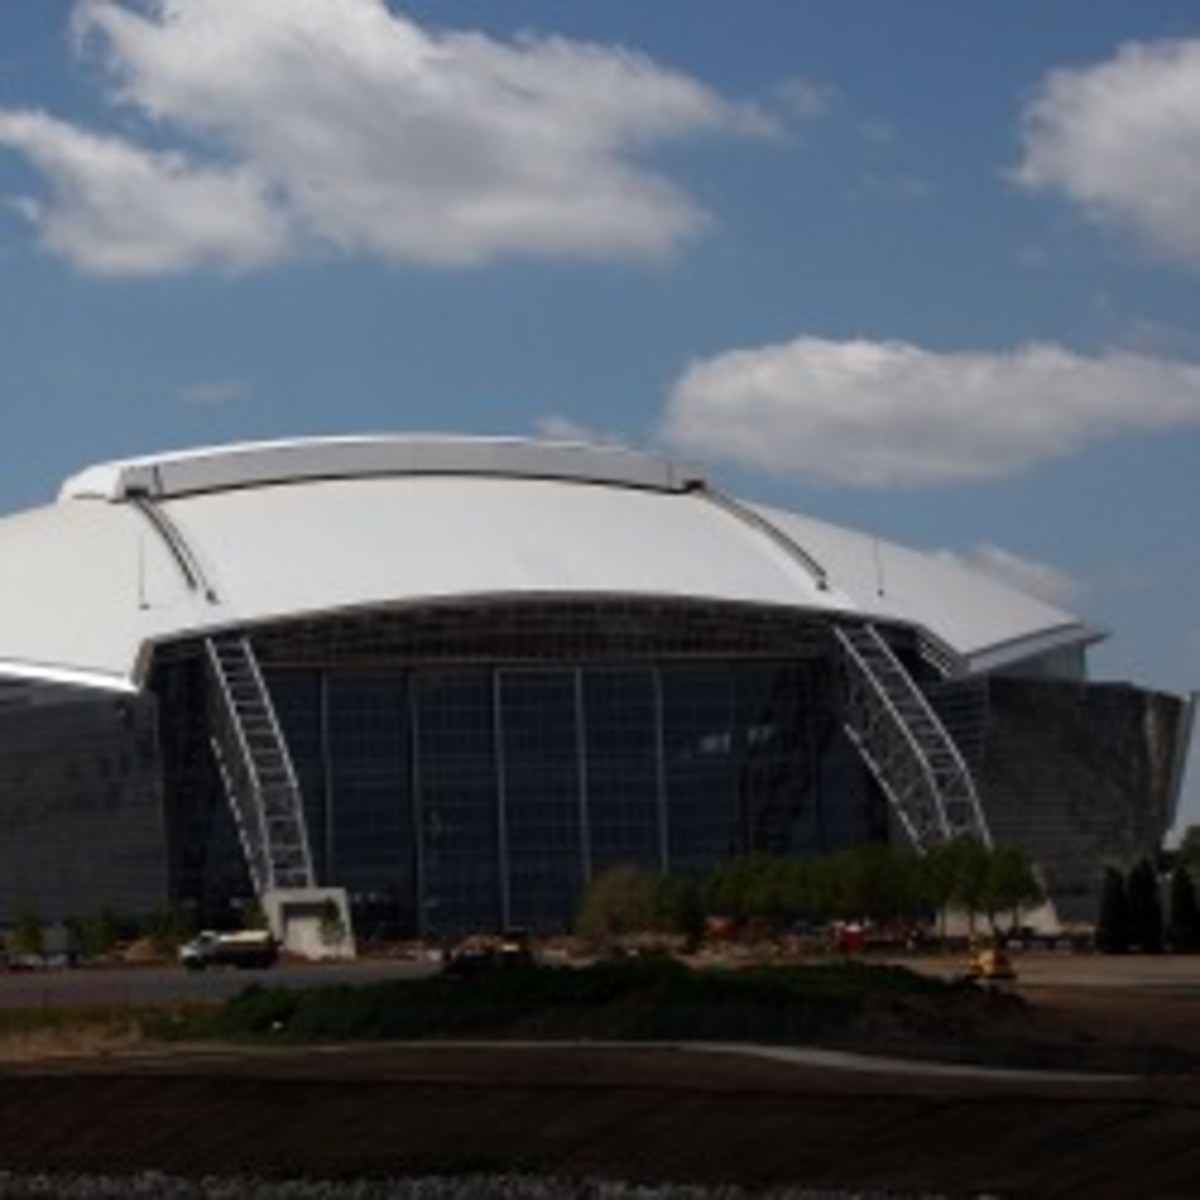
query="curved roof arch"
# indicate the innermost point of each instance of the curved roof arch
(145, 550)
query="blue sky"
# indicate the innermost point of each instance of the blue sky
(930, 268)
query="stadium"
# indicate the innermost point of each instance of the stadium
(446, 681)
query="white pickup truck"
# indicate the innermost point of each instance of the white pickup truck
(247, 948)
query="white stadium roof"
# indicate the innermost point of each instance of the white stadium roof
(152, 549)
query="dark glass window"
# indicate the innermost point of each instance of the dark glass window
(771, 717)
(78, 830)
(542, 795)
(451, 796)
(699, 737)
(456, 801)
(370, 827)
(296, 696)
(620, 715)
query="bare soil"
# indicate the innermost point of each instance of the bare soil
(654, 1114)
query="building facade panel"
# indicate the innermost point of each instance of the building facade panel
(81, 809)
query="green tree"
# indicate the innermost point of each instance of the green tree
(1183, 919)
(1112, 922)
(331, 924)
(28, 938)
(1189, 849)
(753, 887)
(875, 882)
(937, 880)
(169, 929)
(954, 876)
(99, 934)
(619, 902)
(1145, 909)
(678, 907)
(1009, 884)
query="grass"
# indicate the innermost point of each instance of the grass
(629, 1001)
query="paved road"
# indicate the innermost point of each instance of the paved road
(1157, 972)
(136, 986)
(131, 987)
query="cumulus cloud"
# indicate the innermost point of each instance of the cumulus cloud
(1025, 574)
(117, 210)
(880, 414)
(1123, 140)
(345, 126)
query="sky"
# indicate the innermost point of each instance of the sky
(928, 269)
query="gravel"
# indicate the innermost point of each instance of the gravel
(152, 1184)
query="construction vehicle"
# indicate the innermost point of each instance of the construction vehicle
(486, 954)
(247, 948)
(990, 965)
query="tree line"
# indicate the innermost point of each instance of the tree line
(880, 884)
(1133, 916)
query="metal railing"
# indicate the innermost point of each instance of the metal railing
(256, 769)
(904, 743)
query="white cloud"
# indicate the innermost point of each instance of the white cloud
(880, 414)
(369, 135)
(118, 210)
(1025, 574)
(806, 99)
(1123, 140)
(556, 427)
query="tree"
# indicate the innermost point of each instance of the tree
(619, 902)
(678, 907)
(1183, 920)
(169, 929)
(938, 878)
(1009, 884)
(1112, 922)
(28, 936)
(875, 882)
(99, 934)
(1145, 909)
(332, 924)
(955, 875)
(1189, 848)
(754, 887)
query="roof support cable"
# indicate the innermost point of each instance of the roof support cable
(176, 543)
(747, 515)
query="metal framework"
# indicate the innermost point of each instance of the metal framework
(543, 629)
(903, 742)
(256, 768)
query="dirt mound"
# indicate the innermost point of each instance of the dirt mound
(577, 1112)
(651, 1114)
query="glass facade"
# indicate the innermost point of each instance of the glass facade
(81, 812)
(454, 796)
(472, 767)
(474, 797)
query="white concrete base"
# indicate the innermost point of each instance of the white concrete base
(313, 923)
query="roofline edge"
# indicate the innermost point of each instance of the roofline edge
(254, 464)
